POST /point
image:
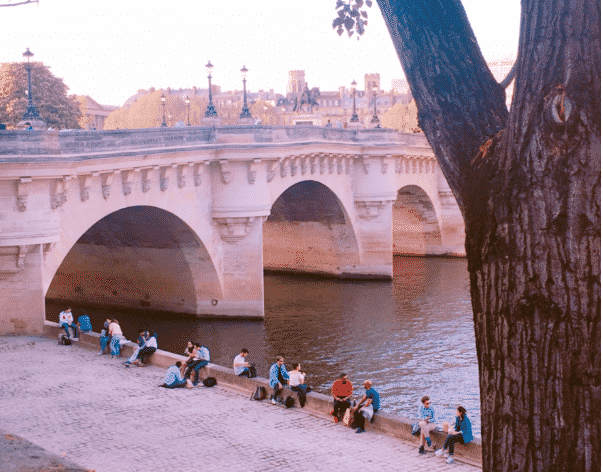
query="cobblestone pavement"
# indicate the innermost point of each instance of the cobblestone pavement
(103, 416)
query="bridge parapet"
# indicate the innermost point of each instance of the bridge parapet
(24, 144)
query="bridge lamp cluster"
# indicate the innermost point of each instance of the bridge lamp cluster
(354, 118)
(375, 118)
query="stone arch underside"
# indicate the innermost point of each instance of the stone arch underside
(138, 257)
(309, 231)
(415, 227)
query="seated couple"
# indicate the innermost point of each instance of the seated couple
(198, 359)
(147, 345)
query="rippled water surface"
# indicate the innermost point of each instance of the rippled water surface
(411, 337)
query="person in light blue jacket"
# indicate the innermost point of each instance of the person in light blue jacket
(461, 433)
(279, 377)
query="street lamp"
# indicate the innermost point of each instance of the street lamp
(163, 123)
(211, 111)
(354, 118)
(375, 118)
(30, 112)
(188, 111)
(245, 112)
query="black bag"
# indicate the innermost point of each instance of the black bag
(259, 394)
(65, 340)
(210, 382)
(252, 371)
(302, 398)
(289, 402)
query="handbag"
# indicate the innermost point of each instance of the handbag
(415, 429)
(347, 417)
(259, 394)
(252, 371)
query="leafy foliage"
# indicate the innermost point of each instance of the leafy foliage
(402, 117)
(351, 16)
(49, 94)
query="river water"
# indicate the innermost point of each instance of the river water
(412, 336)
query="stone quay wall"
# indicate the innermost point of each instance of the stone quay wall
(317, 403)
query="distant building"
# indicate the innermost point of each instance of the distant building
(93, 114)
(296, 82)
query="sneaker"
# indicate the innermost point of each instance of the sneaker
(450, 459)
(421, 449)
(359, 430)
(335, 420)
(428, 440)
(272, 401)
(100, 353)
(76, 339)
(439, 453)
(189, 385)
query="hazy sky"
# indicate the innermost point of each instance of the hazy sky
(109, 49)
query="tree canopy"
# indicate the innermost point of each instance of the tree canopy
(402, 117)
(49, 94)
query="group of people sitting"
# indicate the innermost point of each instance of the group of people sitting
(461, 433)
(186, 374)
(342, 390)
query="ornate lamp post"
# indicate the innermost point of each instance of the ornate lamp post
(211, 111)
(245, 112)
(375, 118)
(354, 118)
(31, 113)
(188, 111)
(163, 123)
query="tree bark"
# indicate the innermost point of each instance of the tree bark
(528, 184)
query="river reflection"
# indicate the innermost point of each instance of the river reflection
(411, 337)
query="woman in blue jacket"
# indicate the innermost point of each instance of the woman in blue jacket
(461, 433)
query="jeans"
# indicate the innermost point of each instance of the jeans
(340, 406)
(176, 384)
(103, 343)
(145, 352)
(195, 365)
(115, 345)
(451, 440)
(245, 372)
(66, 326)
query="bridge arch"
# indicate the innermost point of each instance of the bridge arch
(415, 225)
(139, 257)
(309, 230)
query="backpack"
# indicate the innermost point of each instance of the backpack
(84, 321)
(289, 402)
(210, 382)
(252, 371)
(259, 394)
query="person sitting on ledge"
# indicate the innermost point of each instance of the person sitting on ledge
(199, 360)
(461, 433)
(342, 392)
(426, 423)
(105, 338)
(278, 378)
(366, 408)
(150, 347)
(296, 382)
(173, 377)
(66, 321)
(141, 342)
(239, 365)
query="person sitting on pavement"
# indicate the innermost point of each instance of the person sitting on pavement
(341, 390)
(278, 378)
(426, 423)
(366, 408)
(173, 377)
(66, 321)
(150, 347)
(240, 365)
(105, 338)
(141, 341)
(116, 336)
(199, 360)
(460, 434)
(296, 382)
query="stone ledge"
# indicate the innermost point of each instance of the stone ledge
(318, 404)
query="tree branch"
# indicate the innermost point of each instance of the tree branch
(460, 103)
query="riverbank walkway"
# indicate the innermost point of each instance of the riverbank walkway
(94, 412)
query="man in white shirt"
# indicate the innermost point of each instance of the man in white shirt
(239, 365)
(66, 321)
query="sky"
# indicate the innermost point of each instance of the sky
(111, 49)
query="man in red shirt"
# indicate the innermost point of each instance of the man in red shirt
(342, 392)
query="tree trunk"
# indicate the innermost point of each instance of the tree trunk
(528, 184)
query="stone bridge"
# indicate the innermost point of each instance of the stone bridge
(187, 219)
